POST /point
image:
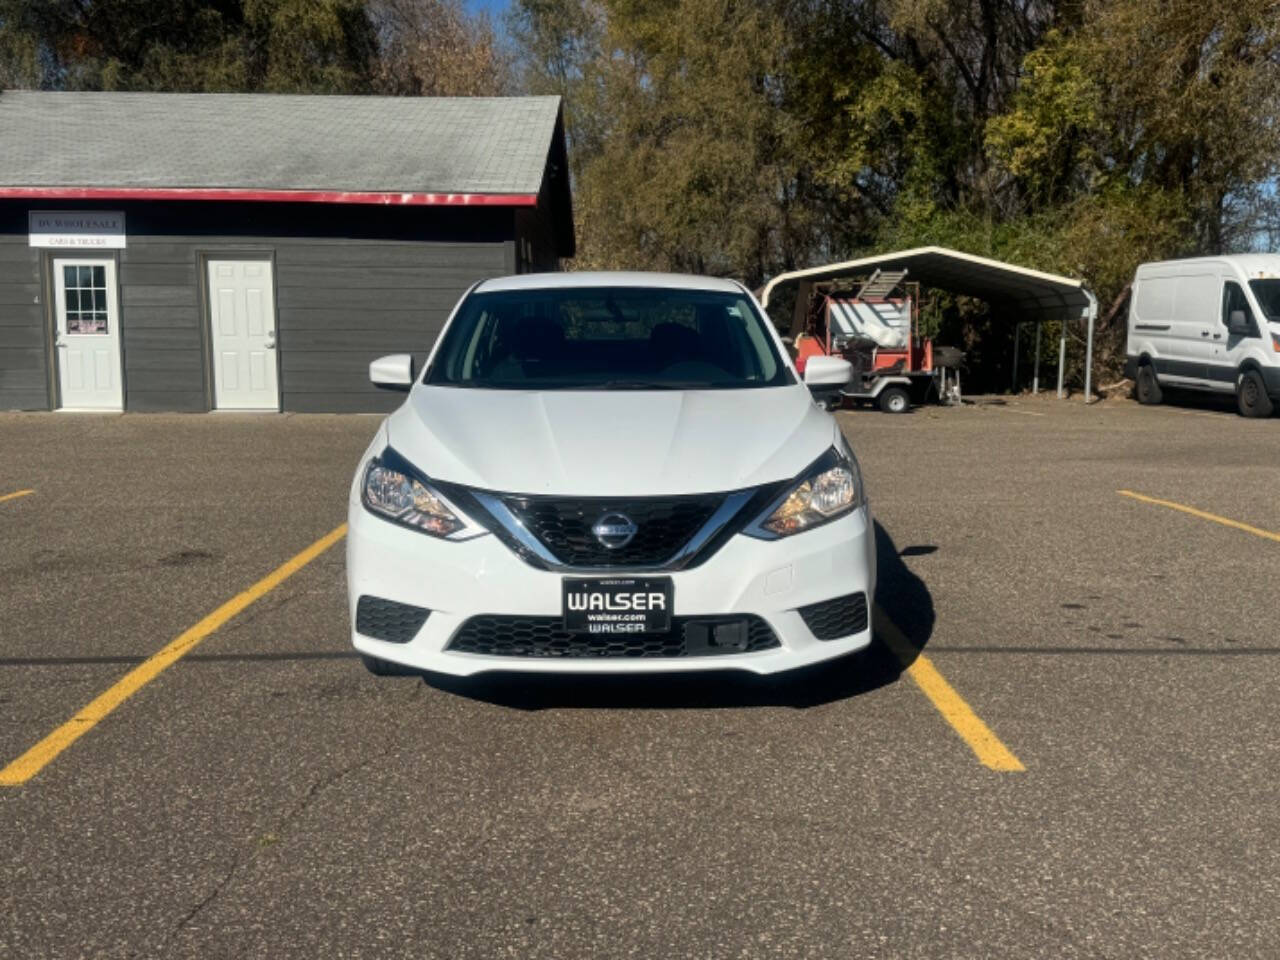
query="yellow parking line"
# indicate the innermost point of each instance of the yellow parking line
(15, 495)
(1225, 521)
(38, 757)
(988, 748)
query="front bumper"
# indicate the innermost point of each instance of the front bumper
(459, 580)
(1271, 377)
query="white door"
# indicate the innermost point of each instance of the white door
(88, 335)
(1196, 306)
(1151, 318)
(243, 326)
(1231, 349)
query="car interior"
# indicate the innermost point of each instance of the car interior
(564, 341)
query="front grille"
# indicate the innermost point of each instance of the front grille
(508, 636)
(388, 620)
(836, 618)
(663, 526)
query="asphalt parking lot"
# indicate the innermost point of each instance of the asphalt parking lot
(264, 796)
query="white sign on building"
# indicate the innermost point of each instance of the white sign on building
(76, 229)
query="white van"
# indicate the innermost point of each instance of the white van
(1211, 323)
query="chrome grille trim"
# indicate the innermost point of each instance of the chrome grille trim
(510, 523)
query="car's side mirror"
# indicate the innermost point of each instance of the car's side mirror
(393, 372)
(1239, 325)
(826, 376)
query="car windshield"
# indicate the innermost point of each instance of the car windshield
(608, 338)
(1268, 295)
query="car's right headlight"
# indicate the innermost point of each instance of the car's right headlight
(392, 490)
(828, 489)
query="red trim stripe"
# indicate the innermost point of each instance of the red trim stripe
(273, 196)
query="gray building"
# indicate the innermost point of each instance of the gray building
(240, 251)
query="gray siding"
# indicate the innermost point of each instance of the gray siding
(341, 306)
(23, 347)
(350, 287)
(160, 321)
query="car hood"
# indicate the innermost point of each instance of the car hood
(611, 443)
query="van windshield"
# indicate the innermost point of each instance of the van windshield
(608, 338)
(1267, 293)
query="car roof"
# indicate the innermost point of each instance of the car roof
(1253, 265)
(608, 278)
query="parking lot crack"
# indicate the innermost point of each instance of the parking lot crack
(244, 860)
(324, 783)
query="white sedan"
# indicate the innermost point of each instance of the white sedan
(608, 472)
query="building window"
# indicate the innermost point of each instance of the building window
(86, 291)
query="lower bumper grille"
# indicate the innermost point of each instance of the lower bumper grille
(388, 620)
(832, 619)
(508, 636)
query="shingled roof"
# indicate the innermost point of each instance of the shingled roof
(491, 150)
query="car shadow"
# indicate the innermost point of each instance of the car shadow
(1201, 400)
(901, 596)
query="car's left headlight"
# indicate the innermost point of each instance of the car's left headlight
(828, 489)
(392, 490)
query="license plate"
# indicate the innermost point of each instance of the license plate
(618, 605)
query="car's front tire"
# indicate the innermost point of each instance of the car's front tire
(1148, 389)
(1251, 395)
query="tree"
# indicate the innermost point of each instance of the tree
(749, 136)
(685, 156)
(560, 49)
(435, 48)
(320, 46)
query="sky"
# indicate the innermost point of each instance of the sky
(494, 8)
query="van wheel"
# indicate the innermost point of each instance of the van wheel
(894, 400)
(385, 668)
(1251, 395)
(1148, 386)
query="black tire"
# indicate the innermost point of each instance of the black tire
(385, 668)
(1251, 395)
(894, 400)
(1148, 385)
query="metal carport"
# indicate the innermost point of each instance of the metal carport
(1029, 294)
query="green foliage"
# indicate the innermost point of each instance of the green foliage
(309, 46)
(692, 168)
(751, 136)
(281, 46)
(1044, 136)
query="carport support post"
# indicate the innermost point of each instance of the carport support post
(1017, 335)
(1062, 356)
(1092, 313)
(1035, 379)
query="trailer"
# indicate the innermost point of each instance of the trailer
(874, 323)
(1015, 295)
